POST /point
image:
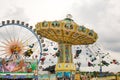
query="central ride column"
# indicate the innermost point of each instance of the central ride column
(65, 66)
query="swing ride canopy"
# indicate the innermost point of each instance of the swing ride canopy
(66, 31)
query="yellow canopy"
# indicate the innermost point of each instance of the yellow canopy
(66, 31)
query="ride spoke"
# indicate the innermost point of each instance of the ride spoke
(19, 33)
(8, 33)
(27, 39)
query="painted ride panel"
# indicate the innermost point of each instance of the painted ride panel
(19, 69)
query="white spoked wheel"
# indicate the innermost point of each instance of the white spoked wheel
(18, 37)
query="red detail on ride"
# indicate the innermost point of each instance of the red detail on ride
(42, 59)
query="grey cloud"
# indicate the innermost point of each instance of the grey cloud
(16, 13)
(113, 46)
(90, 11)
(104, 16)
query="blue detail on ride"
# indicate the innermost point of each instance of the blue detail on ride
(67, 74)
(59, 74)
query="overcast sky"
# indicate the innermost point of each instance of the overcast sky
(103, 16)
